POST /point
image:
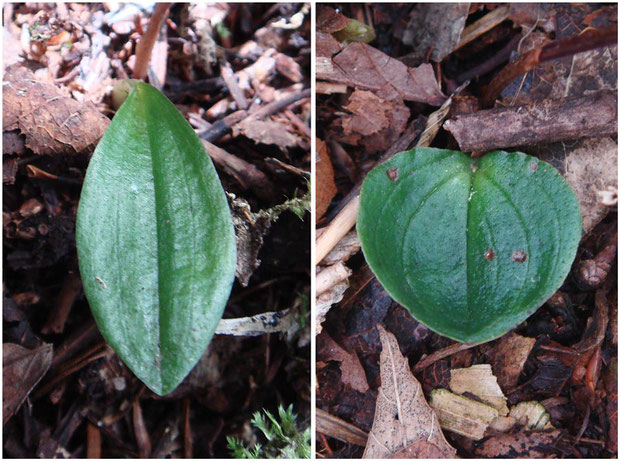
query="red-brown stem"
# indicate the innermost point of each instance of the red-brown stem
(590, 39)
(145, 45)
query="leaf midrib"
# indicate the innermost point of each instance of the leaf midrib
(159, 363)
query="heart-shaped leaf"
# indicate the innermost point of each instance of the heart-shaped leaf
(471, 247)
(155, 240)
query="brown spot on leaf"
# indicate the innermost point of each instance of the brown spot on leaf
(533, 166)
(519, 256)
(393, 174)
(489, 255)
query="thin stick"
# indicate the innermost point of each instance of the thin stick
(146, 44)
(589, 39)
(338, 228)
(484, 24)
(335, 427)
(441, 354)
(231, 82)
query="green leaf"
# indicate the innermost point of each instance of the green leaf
(471, 247)
(155, 240)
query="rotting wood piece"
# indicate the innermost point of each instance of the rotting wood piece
(544, 122)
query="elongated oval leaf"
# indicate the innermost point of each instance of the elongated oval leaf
(155, 240)
(471, 247)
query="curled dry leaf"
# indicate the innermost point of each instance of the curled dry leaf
(361, 66)
(22, 369)
(52, 123)
(325, 301)
(329, 276)
(404, 423)
(344, 249)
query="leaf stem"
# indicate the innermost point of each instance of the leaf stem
(146, 44)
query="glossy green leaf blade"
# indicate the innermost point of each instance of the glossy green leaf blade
(155, 240)
(471, 247)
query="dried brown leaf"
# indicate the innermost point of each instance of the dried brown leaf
(325, 186)
(361, 66)
(328, 20)
(403, 419)
(435, 26)
(52, 123)
(521, 445)
(508, 358)
(374, 123)
(22, 369)
(266, 132)
(351, 368)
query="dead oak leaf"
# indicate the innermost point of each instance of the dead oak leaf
(361, 66)
(52, 123)
(403, 418)
(22, 369)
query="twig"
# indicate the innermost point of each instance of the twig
(337, 228)
(62, 307)
(221, 127)
(246, 174)
(277, 106)
(543, 122)
(589, 39)
(38, 173)
(290, 168)
(98, 351)
(188, 440)
(93, 441)
(487, 66)
(484, 24)
(145, 45)
(335, 427)
(267, 322)
(231, 82)
(441, 354)
(143, 440)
